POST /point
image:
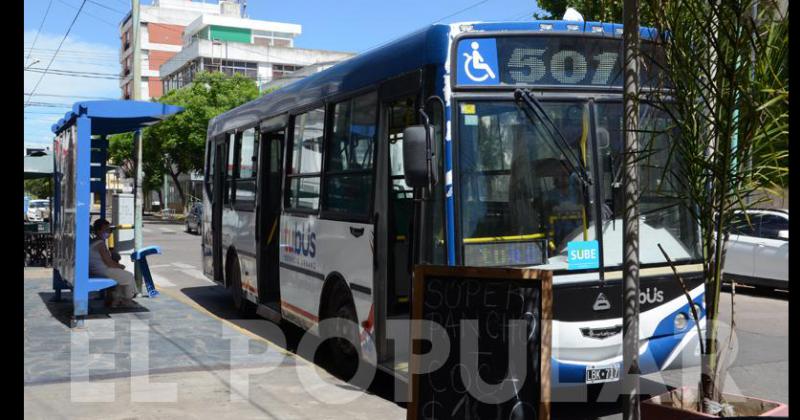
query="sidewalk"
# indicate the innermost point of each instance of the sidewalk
(181, 359)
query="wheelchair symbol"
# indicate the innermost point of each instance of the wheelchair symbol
(475, 61)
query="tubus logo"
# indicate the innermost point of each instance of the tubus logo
(601, 303)
(651, 296)
(300, 240)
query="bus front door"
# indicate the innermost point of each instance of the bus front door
(216, 208)
(401, 114)
(269, 208)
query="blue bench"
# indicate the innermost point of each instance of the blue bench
(140, 257)
(97, 284)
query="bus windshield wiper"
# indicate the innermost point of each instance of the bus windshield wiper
(534, 106)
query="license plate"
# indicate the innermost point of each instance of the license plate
(598, 374)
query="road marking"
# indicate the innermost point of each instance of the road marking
(146, 230)
(193, 272)
(158, 280)
(163, 229)
(161, 281)
(182, 265)
(161, 265)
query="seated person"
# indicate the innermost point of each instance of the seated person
(101, 264)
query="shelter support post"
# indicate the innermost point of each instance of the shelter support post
(80, 286)
(137, 197)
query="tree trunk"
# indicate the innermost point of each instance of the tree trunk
(174, 176)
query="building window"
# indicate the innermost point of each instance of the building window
(350, 153)
(305, 164)
(281, 70)
(231, 67)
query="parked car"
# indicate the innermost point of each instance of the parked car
(194, 217)
(758, 251)
(39, 210)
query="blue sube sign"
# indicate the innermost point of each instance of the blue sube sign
(582, 255)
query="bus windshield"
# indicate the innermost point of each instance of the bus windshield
(520, 204)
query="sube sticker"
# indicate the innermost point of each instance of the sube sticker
(583, 255)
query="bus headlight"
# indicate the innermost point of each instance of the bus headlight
(680, 321)
(698, 309)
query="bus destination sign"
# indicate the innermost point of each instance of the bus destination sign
(553, 60)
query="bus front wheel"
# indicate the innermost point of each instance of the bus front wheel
(344, 330)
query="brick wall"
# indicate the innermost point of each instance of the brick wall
(157, 58)
(154, 87)
(165, 34)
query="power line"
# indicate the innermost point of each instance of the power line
(53, 95)
(35, 88)
(90, 15)
(49, 104)
(460, 11)
(36, 37)
(90, 73)
(106, 7)
(73, 52)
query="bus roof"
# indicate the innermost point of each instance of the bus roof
(423, 47)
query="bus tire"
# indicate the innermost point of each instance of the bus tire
(344, 357)
(243, 306)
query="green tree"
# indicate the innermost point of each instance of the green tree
(592, 10)
(176, 146)
(180, 140)
(39, 188)
(120, 153)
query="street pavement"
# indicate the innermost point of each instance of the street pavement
(171, 357)
(759, 367)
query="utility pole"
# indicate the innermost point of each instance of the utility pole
(630, 222)
(137, 140)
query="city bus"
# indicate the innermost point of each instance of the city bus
(309, 214)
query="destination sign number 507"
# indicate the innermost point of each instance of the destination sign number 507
(527, 65)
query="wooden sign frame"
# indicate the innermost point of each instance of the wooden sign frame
(423, 272)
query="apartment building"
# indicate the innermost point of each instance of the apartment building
(178, 38)
(261, 50)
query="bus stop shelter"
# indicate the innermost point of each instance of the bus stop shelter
(80, 151)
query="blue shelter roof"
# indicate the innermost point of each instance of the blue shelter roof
(117, 116)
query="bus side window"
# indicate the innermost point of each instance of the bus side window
(245, 181)
(305, 161)
(230, 168)
(348, 175)
(210, 168)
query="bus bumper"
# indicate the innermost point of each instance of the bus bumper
(677, 351)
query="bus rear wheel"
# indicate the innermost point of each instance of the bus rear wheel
(344, 356)
(243, 306)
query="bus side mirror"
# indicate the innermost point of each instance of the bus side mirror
(417, 156)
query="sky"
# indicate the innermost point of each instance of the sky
(92, 45)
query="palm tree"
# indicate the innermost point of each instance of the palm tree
(726, 68)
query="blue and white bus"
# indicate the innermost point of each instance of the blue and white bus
(308, 214)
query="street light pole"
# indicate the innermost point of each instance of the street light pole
(630, 222)
(136, 85)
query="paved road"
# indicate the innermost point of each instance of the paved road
(759, 367)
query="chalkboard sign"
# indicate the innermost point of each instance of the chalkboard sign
(497, 321)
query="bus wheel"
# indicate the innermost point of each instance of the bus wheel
(243, 306)
(344, 355)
